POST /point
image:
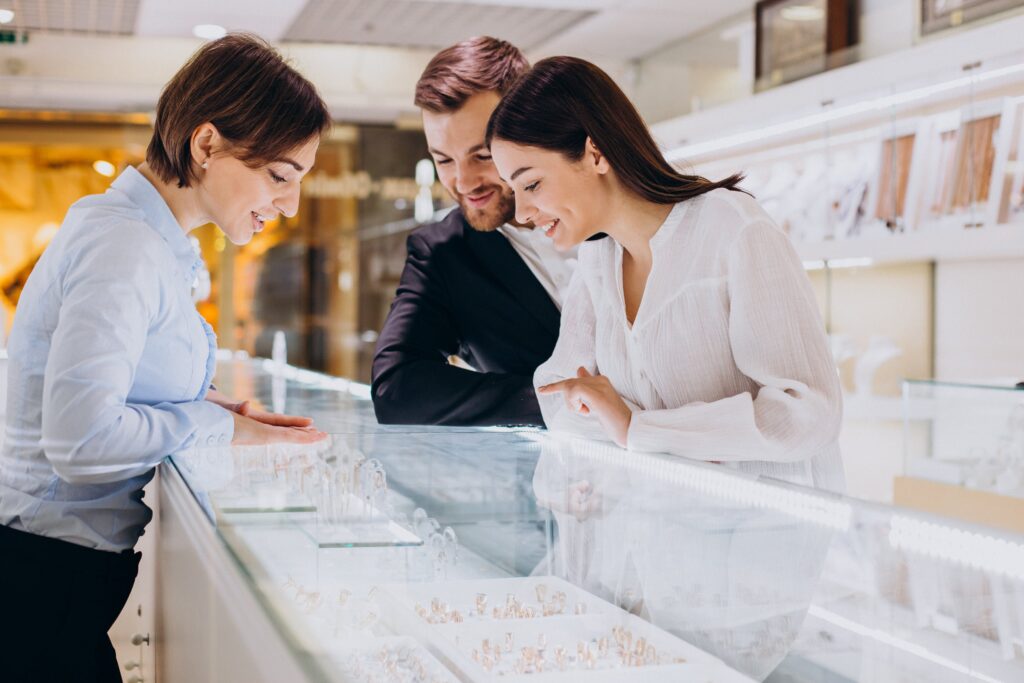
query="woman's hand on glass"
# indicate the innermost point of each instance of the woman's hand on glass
(594, 395)
(246, 408)
(252, 432)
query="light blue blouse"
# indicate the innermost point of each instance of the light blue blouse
(109, 365)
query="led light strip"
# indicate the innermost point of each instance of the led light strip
(855, 262)
(898, 643)
(726, 485)
(687, 152)
(975, 550)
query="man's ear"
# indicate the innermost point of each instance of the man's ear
(594, 159)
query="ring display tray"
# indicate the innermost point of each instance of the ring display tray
(599, 647)
(542, 629)
(499, 599)
(397, 659)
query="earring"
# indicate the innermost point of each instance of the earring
(206, 164)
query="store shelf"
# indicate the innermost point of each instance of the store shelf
(935, 244)
(863, 89)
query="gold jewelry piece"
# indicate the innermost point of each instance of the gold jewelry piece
(481, 603)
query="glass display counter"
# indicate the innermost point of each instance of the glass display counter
(964, 452)
(968, 435)
(434, 554)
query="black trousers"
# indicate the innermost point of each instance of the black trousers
(57, 602)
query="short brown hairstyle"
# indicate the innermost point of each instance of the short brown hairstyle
(467, 68)
(240, 84)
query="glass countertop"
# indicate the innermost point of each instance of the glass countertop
(398, 553)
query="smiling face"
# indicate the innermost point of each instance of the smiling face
(241, 199)
(464, 166)
(567, 199)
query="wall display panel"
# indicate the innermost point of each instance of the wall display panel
(894, 175)
(1008, 178)
(975, 159)
(821, 190)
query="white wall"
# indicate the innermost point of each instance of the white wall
(979, 320)
(716, 65)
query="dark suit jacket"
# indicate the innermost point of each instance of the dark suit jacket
(467, 293)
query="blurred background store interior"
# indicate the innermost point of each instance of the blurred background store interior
(885, 137)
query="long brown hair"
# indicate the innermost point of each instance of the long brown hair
(562, 101)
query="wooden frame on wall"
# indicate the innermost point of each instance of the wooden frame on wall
(941, 15)
(799, 38)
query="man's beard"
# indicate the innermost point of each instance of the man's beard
(493, 217)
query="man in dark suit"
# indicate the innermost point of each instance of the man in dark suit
(475, 285)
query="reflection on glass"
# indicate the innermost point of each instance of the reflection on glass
(732, 579)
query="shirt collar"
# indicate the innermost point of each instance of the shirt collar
(521, 234)
(158, 216)
(673, 219)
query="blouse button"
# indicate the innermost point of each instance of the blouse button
(210, 440)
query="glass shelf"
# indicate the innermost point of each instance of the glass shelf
(965, 434)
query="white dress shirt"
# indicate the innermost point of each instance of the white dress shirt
(552, 268)
(109, 364)
(727, 359)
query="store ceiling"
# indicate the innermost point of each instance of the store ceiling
(615, 29)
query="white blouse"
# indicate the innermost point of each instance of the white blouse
(727, 358)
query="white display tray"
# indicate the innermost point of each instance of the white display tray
(368, 659)
(461, 596)
(454, 643)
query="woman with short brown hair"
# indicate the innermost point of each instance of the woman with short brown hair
(110, 363)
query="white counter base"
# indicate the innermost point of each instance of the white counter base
(209, 625)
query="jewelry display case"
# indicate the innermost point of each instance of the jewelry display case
(964, 450)
(517, 555)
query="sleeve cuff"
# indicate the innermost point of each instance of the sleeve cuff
(637, 437)
(215, 425)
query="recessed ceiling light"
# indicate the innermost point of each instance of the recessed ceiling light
(104, 168)
(209, 31)
(803, 13)
(6, 16)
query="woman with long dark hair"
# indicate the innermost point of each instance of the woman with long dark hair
(690, 326)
